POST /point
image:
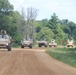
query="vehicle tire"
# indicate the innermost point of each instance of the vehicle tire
(30, 46)
(72, 46)
(39, 45)
(55, 46)
(9, 48)
(45, 45)
(50, 46)
(22, 46)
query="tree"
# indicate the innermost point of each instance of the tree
(53, 22)
(5, 7)
(66, 29)
(9, 19)
(54, 19)
(38, 26)
(31, 16)
(5, 14)
(64, 22)
(59, 34)
(72, 26)
(46, 33)
(22, 25)
(44, 22)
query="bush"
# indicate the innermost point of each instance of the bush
(17, 40)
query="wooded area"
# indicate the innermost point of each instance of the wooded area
(19, 25)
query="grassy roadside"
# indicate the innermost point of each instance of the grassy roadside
(66, 55)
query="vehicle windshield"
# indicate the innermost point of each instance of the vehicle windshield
(53, 40)
(3, 36)
(24, 39)
(43, 39)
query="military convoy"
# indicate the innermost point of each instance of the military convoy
(5, 40)
(26, 42)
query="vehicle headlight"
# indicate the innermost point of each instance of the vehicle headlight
(7, 44)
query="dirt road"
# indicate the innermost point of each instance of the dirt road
(31, 62)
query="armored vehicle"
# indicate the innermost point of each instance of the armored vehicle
(26, 42)
(53, 43)
(42, 42)
(70, 43)
(5, 40)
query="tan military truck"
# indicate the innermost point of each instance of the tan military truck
(26, 42)
(70, 43)
(53, 43)
(5, 40)
(42, 42)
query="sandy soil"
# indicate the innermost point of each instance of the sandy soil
(31, 62)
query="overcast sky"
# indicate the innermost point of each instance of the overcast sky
(64, 9)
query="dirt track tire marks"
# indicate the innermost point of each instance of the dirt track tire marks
(31, 62)
(21, 63)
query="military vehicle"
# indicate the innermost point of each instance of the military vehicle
(5, 40)
(42, 42)
(26, 42)
(53, 43)
(70, 43)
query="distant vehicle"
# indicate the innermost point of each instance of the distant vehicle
(26, 42)
(53, 43)
(42, 42)
(70, 43)
(5, 40)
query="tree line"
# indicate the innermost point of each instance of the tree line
(19, 25)
(61, 30)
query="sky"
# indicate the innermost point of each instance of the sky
(64, 9)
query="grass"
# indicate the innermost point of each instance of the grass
(66, 55)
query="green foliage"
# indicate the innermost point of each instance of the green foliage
(17, 39)
(9, 20)
(54, 19)
(45, 33)
(44, 22)
(5, 7)
(5, 17)
(61, 29)
(17, 26)
(59, 34)
(66, 29)
(38, 26)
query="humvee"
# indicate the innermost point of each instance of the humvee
(42, 42)
(53, 43)
(26, 42)
(70, 43)
(5, 40)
